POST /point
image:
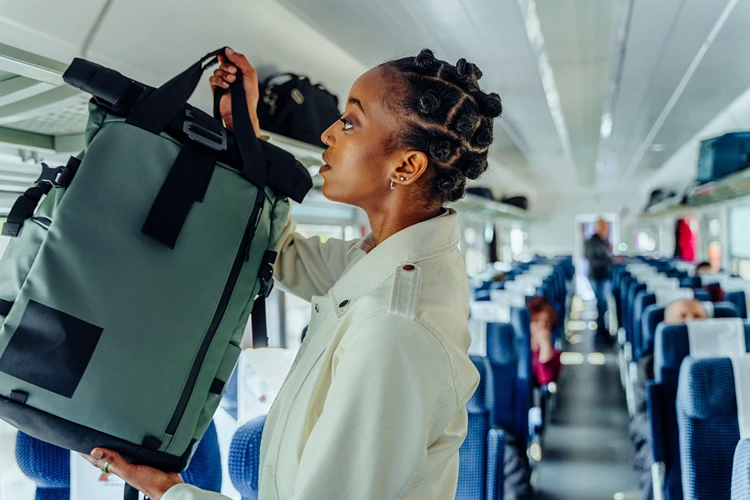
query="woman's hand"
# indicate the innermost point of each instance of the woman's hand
(227, 74)
(152, 482)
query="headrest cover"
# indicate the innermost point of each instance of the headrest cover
(661, 283)
(720, 278)
(718, 337)
(738, 285)
(530, 279)
(709, 308)
(520, 286)
(490, 312)
(741, 365)
(508, 297)
(667, 295)
(541, 270)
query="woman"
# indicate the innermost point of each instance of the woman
(374, 406)
(545, 359)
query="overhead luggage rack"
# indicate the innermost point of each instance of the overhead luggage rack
(476, 206)
(730, 188)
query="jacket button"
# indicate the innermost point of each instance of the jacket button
(344, 304)
(408, 267)
(317, 309)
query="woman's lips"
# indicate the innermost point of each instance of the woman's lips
(324, 168)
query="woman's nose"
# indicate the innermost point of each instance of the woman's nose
(327, 136)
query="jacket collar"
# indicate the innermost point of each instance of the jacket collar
(416, 243)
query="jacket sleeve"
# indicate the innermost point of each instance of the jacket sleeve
(390, 394)
(307, 266)
(190, 492)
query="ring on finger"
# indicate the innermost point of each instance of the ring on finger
(105, 469)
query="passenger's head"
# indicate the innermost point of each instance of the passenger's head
(543, 316)
(419, 122)
(684, 311)
(704, 268)
(602, 229)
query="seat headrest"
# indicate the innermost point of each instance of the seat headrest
(716, 337)
(490, 312)
(672, 346)
(509, 297)
(706, 388)
(667, 294)
(661, 282)
(44, 463)
(741, 367)
(481, 400)
(244, 457)
(524, 287)
(501, 343)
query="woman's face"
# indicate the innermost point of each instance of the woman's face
(358, 169)
(541, 324)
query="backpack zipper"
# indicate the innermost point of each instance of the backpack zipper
(239, 260)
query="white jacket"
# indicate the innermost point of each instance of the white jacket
(374, 405)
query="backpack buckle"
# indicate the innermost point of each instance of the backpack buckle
(265, 274)
(202, 135)
(51, 176)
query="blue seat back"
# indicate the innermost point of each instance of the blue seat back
(738, 299)
(630, 316)
(48, 466)
(509, 353)
(741, 471)
(502, 353)
(671, 347)
(643, 300)
(204, 470)
(244, 458)
(472, 472)
(709, 431)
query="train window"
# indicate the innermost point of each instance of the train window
(739, 236)
(744, 269)
(645, 241)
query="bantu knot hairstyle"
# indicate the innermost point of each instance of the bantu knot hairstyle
(446, 116)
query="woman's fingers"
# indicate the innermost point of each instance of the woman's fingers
(113, 460)
(150, 481)
(217, 81)
(241, 62)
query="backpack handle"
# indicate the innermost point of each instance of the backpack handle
(162, 106)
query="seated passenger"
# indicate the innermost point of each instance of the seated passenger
(545, 359)
(704, 268)
(713, 289)
(676, 313)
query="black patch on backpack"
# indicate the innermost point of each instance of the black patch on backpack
(50, 349)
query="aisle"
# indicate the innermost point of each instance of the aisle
(586, 450)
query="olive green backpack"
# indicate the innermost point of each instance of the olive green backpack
(124, 295)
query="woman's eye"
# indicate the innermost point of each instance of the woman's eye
(347, 124)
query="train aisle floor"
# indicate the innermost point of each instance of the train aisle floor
(587, 454)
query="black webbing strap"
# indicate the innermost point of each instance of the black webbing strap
(130, 493)
(24, 208)
(162, 106)
(181, 188)
(258, 315)
(5, 307)
(258, 321)
(253, 159)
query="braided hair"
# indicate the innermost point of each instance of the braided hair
(446, 116)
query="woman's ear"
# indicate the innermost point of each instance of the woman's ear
(413, 165)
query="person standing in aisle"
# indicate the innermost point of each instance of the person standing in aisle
(598, 251)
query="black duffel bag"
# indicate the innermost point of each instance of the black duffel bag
(296, 108)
